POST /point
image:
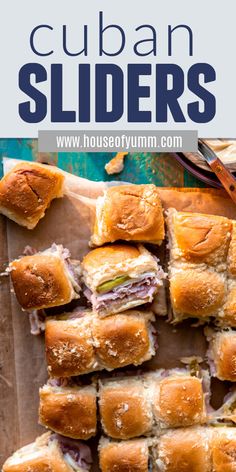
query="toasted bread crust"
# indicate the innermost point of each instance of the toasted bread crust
(196, 293)
(224, 351)
(184, 450)
(121, 340)
(180, 402)
(125, 410)
(112, 254)
(27, 191)
(202, 238)
(40, 281)
(69, 348)
(129, 456)
(131, 213)
(69, 411)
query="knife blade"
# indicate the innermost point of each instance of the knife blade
(224, 175)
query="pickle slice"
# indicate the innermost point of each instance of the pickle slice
(110, 284)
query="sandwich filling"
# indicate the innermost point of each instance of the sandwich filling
(76, 454)
(114, 295)
(72, 266)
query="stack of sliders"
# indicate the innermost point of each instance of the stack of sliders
(194, 449)
(168, 411)
(131, 406)
(117, 277)
(202, 268)
(79, 343)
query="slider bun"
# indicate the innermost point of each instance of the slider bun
(112, 254)
(38, 457)
(123, 339)
(41, 281)
(70, 411)
(111, 261)
(184, 450)
(232, 252)
(228, 317)
(180, 402)
(124, 409)
(196, 293)
(224, 353)
(131, 213)
(202, 238)
(224, 450)
(27, 191)
(128, 456)
(69, 348)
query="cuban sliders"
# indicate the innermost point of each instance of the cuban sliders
(69, 408)
(222, 353)
(194, 449)
(202, 267)
(145, 405)
(79, 344)
(50, 452)
(131, 213)
(119, 277)
(46, 279)
(27, 191)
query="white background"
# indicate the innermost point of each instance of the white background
(212, 21)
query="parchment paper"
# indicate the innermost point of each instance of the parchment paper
(22, 366)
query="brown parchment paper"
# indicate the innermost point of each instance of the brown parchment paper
(22, 364)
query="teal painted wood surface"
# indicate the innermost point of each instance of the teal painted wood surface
(160, 169)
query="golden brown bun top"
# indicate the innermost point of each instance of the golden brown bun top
(111, 261)
(69, 347)
(111, 254)
(224, 450)
(128, 456)
(123, 339)
(225, 355)
(131, 213)
(40, 281)
(124, 410)
(228, 317)
(181, 401)
(232, 252)
(37, 457)
(70, 411)
(184, 450)
(202, 238)
(197, 293)
(27, 190)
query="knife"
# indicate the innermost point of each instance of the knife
(224, 175)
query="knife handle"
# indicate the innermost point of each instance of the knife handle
(225, 177)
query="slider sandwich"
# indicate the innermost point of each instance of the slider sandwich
(27, 191)
(119, 277)
(50, 453)
(194, 449)
(69, 408)
(124, 456)
(46, 279)
(129, 213)
(145, 405)
(77, 344)
(131, 406)
(184, 450)
(199, 246)
(222, 354)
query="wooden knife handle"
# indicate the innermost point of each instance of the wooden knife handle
(225, 177)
